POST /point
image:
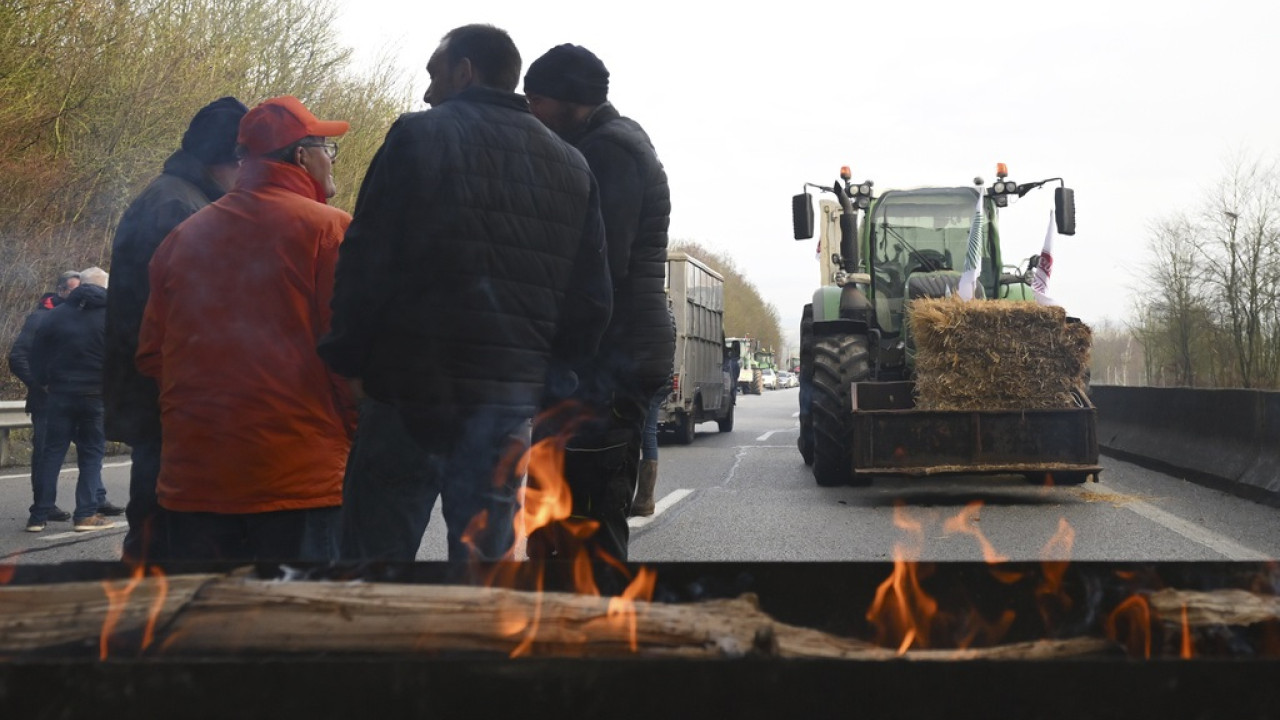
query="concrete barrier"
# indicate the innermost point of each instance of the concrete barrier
(1225, 438)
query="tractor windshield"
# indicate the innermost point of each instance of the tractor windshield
(913, 231)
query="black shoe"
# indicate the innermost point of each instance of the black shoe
(106, 508)
(58, 515)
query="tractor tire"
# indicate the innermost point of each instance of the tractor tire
(839, 361)
(726, 423)
(805, 441)
(757, 382)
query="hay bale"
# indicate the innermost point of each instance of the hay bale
(996, 355)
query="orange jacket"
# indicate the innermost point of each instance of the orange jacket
(252, 420)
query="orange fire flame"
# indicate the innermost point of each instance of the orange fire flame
(6, 573)
(902, 611)
(546, 501)
(1130, 625)
(118, 598)
(1186, 651)
(967, 523)
(1050, 593)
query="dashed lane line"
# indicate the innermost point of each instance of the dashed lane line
(770, 434)
(663, 505)
(68, 470)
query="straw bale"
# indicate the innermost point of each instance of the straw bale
(987, 355)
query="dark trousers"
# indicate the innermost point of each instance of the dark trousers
(601, 465)
(148, 537)
(309, 535)
(71, 418)
(394, 476)
(38, 432)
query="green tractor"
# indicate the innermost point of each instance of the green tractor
(878, 253)
(755, 360)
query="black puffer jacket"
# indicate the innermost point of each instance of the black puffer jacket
(475, 258)
(639, 346)
(131, 400)
(67, 354)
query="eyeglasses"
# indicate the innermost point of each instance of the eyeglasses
(330, 148)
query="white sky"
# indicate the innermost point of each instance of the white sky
(1138, 105)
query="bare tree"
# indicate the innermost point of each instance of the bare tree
(1173, 311)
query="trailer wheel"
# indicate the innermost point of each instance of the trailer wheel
(839, 361)
(757, 382)
(805, 441)
(726, 423)
(686, 424)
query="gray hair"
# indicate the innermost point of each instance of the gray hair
(94, 276)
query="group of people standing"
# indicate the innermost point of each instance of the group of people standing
(299, 383)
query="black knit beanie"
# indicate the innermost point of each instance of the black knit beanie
(211, 136)
(570, 73)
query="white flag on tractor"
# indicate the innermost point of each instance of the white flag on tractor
(1044, 266)
(973, 256)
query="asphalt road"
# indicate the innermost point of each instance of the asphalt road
(747, 496)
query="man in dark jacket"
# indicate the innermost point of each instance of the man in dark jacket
(567, 89)
(198, 173)
(20, 365)
(500, 219)
(67, 360)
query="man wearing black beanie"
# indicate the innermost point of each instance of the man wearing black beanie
(567, 89)
(201, 171)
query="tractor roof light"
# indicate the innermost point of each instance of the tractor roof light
(845, 173)
(1002, 170)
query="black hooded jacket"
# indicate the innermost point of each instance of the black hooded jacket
(69, 346)
(474, 261)
(20, 353)
(639, 347)
(131, 400)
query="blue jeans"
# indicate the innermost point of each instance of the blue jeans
(78, 419)
(649, 438)
(393, 480)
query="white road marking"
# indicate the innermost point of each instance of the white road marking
(663, 505)
(67, 471)
(60, 536)
(1187, 529)
(769, 434)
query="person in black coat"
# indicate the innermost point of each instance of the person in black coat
(20, 365)
(567, 90)
(198, 173)
(66, 359)
(499, 220)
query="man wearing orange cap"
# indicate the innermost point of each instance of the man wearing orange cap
(256, 430)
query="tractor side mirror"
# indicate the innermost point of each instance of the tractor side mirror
(1064, 205)
(802, 216)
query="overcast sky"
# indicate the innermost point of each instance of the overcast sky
(1138, 105)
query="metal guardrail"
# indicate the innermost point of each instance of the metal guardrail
(12, 415)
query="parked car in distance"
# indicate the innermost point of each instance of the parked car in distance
(770, 378)
(787, 380)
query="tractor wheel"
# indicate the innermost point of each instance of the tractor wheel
(805, 441)
(757, 382)
(839, 361)
(726, 423)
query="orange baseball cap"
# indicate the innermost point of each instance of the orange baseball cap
(280, 122)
